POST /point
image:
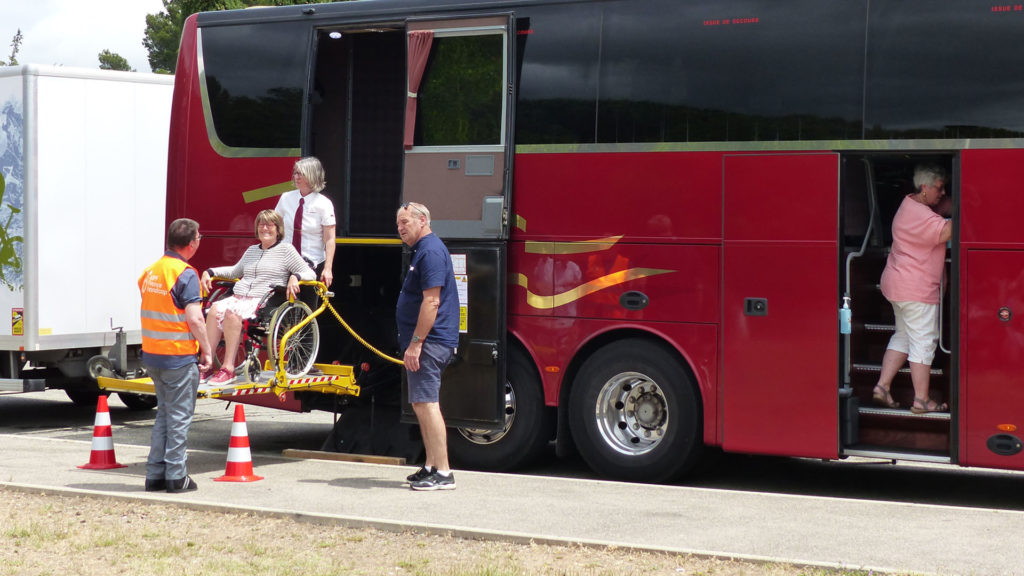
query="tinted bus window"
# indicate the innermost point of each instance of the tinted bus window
(945, 69)
(728, 70)
(558, 74)
(255, 77)
(459, 100)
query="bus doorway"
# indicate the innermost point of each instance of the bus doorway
(871, 189)
(383, 117)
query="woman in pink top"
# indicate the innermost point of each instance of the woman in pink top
(910, 282)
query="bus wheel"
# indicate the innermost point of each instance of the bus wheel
(527, 430)
(633, 412)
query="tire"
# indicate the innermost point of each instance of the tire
(83, 396)
(302, 347)
(528, 428)
(100, 366)
(253, 368)
(220, 350)
(657, 441)
(219, 291)
(138, 402)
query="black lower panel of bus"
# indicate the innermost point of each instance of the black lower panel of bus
(367, 428)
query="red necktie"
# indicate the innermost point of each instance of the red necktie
(297, 228)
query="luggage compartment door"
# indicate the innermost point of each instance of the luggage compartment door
(780, 342)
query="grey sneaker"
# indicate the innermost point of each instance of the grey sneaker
(420, 474)
(435, 481)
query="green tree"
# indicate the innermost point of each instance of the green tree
(163, 30)
(113, 61)
(15, 47)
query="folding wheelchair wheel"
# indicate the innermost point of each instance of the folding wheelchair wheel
(301, 348)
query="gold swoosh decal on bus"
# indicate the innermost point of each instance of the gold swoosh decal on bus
(598, 284)
(267, 192)
(580, 247)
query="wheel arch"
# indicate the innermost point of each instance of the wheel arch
(514, 342)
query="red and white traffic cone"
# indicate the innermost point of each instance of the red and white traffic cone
(102, 455)
(239, 468)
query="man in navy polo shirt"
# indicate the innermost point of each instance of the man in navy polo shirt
(428, 331)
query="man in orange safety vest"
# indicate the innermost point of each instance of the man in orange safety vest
(173, 332)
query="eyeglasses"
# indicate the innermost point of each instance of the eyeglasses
(199, 237)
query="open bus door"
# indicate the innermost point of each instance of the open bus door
(780, 336)
(457, 162)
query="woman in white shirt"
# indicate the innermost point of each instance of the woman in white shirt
(312, 231)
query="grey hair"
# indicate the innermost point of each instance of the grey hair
(927, 175)
(416, 208)
(313, 171)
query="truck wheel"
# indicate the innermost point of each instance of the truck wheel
(83, 396)
(137, 401)
(634, 414)
(527, 430)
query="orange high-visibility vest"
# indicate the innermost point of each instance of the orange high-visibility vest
(164, 328)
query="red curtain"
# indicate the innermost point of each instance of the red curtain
(419, 49)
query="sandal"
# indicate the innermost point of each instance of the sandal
(882, 397)
(926, 405)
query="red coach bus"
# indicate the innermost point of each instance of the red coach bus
(659, 206)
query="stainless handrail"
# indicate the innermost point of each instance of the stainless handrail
(849, 259)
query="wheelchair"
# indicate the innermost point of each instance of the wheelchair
(262, 335)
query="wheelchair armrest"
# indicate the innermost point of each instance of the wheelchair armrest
(305, 290)
(220, 288)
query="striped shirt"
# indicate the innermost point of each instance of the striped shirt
(260, 270)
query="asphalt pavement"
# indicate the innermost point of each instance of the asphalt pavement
(812, 530)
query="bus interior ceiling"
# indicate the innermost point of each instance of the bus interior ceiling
(889, 178)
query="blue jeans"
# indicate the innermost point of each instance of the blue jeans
(176, 390)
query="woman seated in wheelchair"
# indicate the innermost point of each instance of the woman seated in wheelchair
(263, 266)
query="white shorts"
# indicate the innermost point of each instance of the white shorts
(917, 331)
(243, 306)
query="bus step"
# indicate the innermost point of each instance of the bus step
(901, 413)
(870, 327)
(861, 368)
(883, 453)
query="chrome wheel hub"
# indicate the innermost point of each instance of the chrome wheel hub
(631, 413)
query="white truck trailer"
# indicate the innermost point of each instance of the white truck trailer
(83, 164)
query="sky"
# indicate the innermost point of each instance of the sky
(73, 32)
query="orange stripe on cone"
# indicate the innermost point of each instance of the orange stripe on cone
(102, 455)
(239, 467)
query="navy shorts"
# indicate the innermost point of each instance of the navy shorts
(425, 383)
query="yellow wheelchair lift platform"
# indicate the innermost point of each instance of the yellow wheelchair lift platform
(273, 379)
(333, 379)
